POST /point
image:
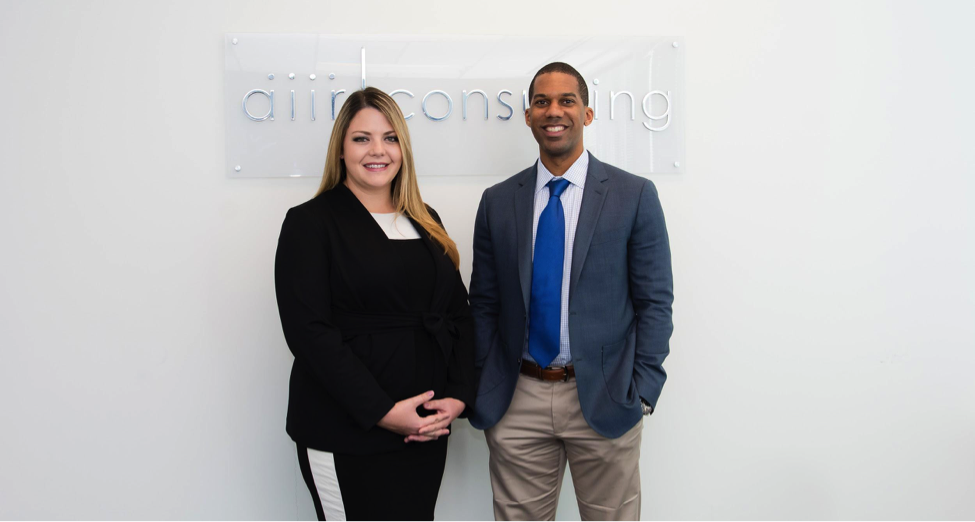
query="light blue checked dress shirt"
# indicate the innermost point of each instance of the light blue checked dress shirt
(571, 203)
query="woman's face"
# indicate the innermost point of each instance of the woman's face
(371, 151)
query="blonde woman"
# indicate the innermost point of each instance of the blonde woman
(375, 312)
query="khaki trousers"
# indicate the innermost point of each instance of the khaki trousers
(543, 428)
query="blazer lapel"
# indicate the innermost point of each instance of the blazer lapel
(442, 269)
(524, 219)
(593, 196)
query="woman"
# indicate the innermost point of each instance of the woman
(376, 315)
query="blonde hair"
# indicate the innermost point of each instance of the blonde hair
(405, 192)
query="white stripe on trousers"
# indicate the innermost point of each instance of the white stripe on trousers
(322, 464)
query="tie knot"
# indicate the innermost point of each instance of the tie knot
(556, 187)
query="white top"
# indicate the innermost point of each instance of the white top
(571, 203)
(395, 225)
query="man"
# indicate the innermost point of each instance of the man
(571, 295)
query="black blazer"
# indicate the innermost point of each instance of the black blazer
(341, 311)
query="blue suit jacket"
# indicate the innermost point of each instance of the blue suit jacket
(620, 296)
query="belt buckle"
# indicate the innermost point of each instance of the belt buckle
(565, 373)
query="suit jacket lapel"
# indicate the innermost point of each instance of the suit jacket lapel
(443, 270)
(524, 219)
(593, 196)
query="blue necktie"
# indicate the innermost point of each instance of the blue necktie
(545, 319)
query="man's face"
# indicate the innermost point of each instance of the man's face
(557, 116)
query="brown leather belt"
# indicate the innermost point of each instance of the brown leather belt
(561, 373)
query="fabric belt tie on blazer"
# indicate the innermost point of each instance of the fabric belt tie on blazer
(438, 325)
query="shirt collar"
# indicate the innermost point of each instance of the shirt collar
(576, 175)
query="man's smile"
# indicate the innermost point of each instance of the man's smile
(554, 130)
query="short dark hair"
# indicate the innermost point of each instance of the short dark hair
(564, 68)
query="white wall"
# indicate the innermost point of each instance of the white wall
(822, 236)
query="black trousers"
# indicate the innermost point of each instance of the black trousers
(400, 485)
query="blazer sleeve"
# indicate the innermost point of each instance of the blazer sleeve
(484, 296)
(652, 290)
(301, 271)
(461, 381)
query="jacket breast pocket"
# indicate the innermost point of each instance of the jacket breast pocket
(609, 236)
(618, 371)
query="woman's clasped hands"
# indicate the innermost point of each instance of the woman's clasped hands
(403, 419)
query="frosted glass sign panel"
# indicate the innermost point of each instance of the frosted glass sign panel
(464, 98)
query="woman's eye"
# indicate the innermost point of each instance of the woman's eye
(359, 139)
(392, 139)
